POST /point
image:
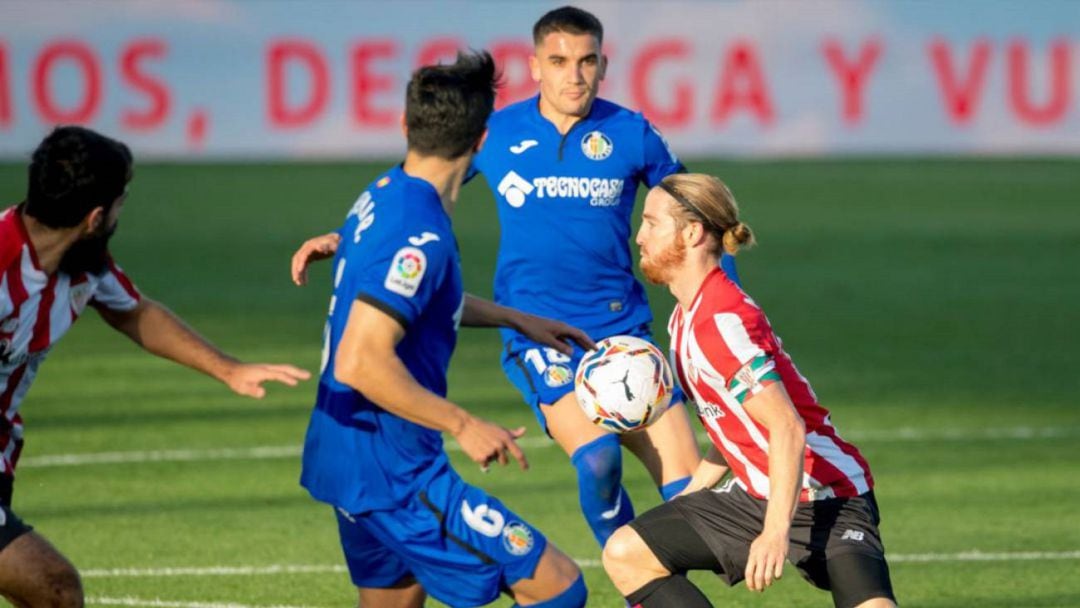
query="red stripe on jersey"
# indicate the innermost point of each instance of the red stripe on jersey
(124, 281)
(40, 341)
(849, 450)
(13, 385)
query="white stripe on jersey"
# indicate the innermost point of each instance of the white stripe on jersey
(736, 337)
(826, 448)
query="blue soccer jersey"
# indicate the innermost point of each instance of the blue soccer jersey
(565, 203)
(397, 253)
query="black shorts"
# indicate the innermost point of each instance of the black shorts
(835, 543)
(11, 527)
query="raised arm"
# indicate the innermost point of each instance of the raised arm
(159, 331)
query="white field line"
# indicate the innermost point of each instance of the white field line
(291, 451)
(159, 603)
(918, 558)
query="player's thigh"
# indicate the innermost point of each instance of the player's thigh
(34, 573)
(372, 562)
(568, 426)
(407, 593)
(553, 575)
(463, 545)
(667, 447)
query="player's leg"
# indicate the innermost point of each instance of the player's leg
(837, 546)
(406, 593)
(380, 576)
(556, 583)
(668, 449)
(34, 573)
(647, 560)
(597, 458)
(544, 378)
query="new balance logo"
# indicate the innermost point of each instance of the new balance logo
(514, 188)
(524, 145)
(855, 535)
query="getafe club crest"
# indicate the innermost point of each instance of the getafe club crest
(596, 145)
(558, 375)
(517, 538)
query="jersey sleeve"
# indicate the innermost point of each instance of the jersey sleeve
(732, 346)
(658, 161)
(115, 291)
(399, 277)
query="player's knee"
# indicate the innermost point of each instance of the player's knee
(61, 586)
(622, 550)
(599, 462)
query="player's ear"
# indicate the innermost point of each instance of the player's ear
(404, 126)
(93, 221)
(534, 67)
(603, 66)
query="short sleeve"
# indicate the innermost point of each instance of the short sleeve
(658, 161)
(115, 291)
(729, 346)
(402, 275)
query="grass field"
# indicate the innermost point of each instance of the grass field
(934, 305)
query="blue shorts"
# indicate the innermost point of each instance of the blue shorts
(544, 375)
(461, 544)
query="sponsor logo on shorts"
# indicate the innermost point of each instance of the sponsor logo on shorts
(517, 538)
(558, 375)
(406, 271)
(854, 535)
(596, 146)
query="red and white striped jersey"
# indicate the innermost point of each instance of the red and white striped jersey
(36, 309)
(724, 351)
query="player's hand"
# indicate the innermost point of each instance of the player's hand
(556, 334)
(765, 563)
(247, 378)
(314, 249)
(485, 442)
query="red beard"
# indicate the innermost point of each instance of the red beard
(657, 268)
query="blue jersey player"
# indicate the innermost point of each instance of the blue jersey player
(409, 525)
(564, 168)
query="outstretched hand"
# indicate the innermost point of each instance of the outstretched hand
(485, 442)
(556, 334)
(314, 249)
(247, 378)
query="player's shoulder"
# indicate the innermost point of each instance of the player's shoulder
(719, 294)
(12, 239)
(610, 112)
(512, 114)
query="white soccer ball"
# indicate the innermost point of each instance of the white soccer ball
(624, 385)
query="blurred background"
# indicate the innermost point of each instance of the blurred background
(910, 168)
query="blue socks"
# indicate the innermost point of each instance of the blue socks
(604, 502)
(670, 490)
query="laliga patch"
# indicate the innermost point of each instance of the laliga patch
(406, 271)
(596, 146)
(517, 538)
(558, 375)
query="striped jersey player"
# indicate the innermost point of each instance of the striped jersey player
(36, 310)
(798, 492)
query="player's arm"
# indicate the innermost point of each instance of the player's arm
(367, 361)
(479, 312)
(159, 331)
(772, 408)
(314, 249)
(709, 471)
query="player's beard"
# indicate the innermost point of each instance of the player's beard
(90, 255)
(658, 267)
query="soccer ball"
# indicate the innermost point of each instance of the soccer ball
(624, 385)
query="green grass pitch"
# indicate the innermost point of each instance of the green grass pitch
(934, 305)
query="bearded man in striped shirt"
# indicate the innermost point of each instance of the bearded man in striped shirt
(54, 262)
(797, 491)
